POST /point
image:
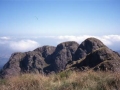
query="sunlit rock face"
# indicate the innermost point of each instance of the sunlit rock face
(87, 47)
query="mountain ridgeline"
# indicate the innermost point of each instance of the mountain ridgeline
(90, 54)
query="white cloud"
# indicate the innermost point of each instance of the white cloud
(107, 39)
(24, 45)
(112, 41)
(5, 38)
(74, 38)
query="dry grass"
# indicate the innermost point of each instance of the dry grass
(68, 80)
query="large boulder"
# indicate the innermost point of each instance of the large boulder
(87, 46)
(12, 67)
(90, 54)
(63, 54)
(28, 62)
(102, 59)
(98, 56)
(46, 52)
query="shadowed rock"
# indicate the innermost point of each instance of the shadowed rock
(28, 62)
(90, 54)
(63, 54)
(102, 59)
(46, 52)
(12, 67)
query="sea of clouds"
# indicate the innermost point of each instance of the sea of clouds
(24, 44)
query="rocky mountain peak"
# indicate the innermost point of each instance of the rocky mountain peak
(87, 47)
(63, 54)
(90, 54)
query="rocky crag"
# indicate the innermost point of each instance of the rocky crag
(90, 54)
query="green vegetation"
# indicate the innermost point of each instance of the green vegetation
(67, 80)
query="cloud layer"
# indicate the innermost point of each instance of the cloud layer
(30, 43)
(24, 45)
(4, 38)
(112, 41)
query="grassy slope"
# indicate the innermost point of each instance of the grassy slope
(68, 80)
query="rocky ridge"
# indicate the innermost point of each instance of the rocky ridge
(90, 54)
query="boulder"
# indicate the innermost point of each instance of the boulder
(87, 46)
(64, 54)
(90, 54)
(102, 59)
(28, 62)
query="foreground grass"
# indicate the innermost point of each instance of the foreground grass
(69, 80)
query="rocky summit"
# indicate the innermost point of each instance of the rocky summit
(90, 54)
(63, 54)
(87, 47)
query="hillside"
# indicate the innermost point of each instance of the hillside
(91, 54)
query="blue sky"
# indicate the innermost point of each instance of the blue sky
(28, 24)
(59, 17)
